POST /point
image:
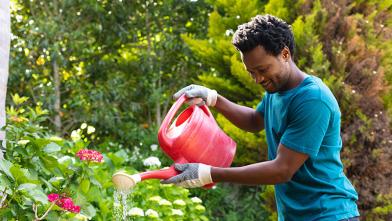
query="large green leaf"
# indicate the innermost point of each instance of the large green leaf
(22, 175)
(27, 186)
(90, 211)
(38, 195)
(56, 181)
(34, 191)
(85, 185)
(5, 182)
(5, 167)
(52, 147)
(49, 161)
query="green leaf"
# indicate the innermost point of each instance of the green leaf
(95, 181)
(27, 186)
(90, 211)
(21, 175)
(34, 191)
(5, 167)
(18, 100)
(49, 161)
(38, 195)
(56, 181)
(5, 182)
(41, 142)
(85, 185)
(52, 147)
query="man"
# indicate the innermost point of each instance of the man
(301, 118)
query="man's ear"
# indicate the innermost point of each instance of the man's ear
(286, 55)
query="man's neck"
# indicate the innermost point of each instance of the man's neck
(296, 76)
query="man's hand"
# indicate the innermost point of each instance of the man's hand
(207, 96)
(193, 175)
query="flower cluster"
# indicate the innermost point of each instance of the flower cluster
(152, 162)
(64, 202)
(90, 155)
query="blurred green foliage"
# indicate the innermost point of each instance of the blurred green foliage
(115, 64)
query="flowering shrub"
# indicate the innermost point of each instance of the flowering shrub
(41, 178)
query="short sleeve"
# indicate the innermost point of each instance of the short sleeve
(260, 108)
(307, 127)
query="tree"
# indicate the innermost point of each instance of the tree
(5, 34)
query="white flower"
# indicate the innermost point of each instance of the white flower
(135, 211)
(154, 147)
(177, 212)
(179, 202)
(75, 136)
(152, 213)
(152, 161)
(155, 198)
(90, 129)
(196, 200)
(23, 142)
(164, 202)
(83, 126)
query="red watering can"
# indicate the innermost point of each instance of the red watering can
(193, 137)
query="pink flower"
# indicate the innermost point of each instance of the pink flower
(53, 197)
(64, 202)
(90, 155)
(75, 209)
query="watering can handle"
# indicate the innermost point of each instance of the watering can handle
(168, 119)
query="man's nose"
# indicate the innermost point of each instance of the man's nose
(259, 78)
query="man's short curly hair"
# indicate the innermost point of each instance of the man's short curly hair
(265, 30)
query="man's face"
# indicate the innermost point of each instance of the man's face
(272, 72)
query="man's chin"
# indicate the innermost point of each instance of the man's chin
(270, 91)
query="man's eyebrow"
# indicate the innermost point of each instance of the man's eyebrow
(259, 66)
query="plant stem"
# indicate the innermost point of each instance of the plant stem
(4, 196)
(45, 214)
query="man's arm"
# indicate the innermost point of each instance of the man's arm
(243, 117)
(279, 170)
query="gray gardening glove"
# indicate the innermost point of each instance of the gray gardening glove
(200, 95)
(192, 175)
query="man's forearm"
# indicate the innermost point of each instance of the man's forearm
(267, 172)
(241, 116)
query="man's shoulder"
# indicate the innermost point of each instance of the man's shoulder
(315, 91)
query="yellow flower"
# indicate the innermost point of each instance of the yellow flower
(40, 60)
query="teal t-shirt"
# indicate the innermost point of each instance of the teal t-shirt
(306, 119)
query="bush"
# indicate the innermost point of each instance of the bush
(48, 177)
